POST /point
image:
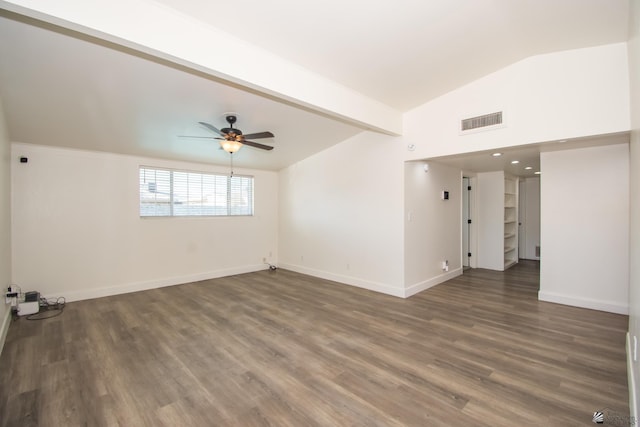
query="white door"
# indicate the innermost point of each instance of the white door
(530, 218)
(522, 219)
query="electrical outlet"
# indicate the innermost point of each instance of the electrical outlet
(10, 295)
(264, 260)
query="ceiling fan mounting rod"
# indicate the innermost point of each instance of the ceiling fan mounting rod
(231, 119)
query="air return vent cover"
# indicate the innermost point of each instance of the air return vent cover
(478, 122)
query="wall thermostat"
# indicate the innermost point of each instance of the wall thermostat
(445, 195)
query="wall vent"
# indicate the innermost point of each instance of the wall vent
(481, 121)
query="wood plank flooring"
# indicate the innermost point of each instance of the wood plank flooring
(285, 349)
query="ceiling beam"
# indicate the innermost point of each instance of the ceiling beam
(154, 29)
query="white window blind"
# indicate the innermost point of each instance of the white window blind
(166, 192)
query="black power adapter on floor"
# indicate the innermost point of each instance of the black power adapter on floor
(31, 296)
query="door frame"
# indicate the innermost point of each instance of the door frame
(473, 213)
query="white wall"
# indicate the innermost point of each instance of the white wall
(585, 226)
(341, 214)
(529, 234)
(490, 220)
(77, 231)
(634, 232)
(432, 226)
(5, 223)
(567, 94)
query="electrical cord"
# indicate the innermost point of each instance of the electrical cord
(49, 308)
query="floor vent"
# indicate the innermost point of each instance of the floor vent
(472, 123)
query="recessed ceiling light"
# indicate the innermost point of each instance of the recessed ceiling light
(562, 140)
(515, 162)
(497, 154)
(537, 173)
(528, 168)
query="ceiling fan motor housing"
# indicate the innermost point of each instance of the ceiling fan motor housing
(231, 130)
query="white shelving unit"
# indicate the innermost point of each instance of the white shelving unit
(510, 221)
(497, 213)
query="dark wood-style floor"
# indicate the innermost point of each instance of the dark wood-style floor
(284, 349)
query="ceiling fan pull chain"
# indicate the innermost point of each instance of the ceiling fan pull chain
(231, 164)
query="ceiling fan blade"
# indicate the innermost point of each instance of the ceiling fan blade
(259, 135)
(257, 145)
(199, 137)
(212, 128)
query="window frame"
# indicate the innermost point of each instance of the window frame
(229, 209)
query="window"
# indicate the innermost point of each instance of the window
(166, 192)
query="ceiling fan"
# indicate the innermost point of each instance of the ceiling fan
(232, 139)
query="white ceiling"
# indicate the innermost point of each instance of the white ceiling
(62, 88)
(515, 160)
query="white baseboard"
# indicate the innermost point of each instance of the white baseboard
(347, 280)
(426, 284)
(152, 284)
(631, 381)
(374, 286)
(609, 306)
(4, 329)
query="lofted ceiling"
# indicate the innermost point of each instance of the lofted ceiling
(63, 86)
(66, 90)
(406, 52)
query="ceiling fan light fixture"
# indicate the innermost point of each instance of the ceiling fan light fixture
(230, 146)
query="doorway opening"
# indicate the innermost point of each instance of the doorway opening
(529, 219)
